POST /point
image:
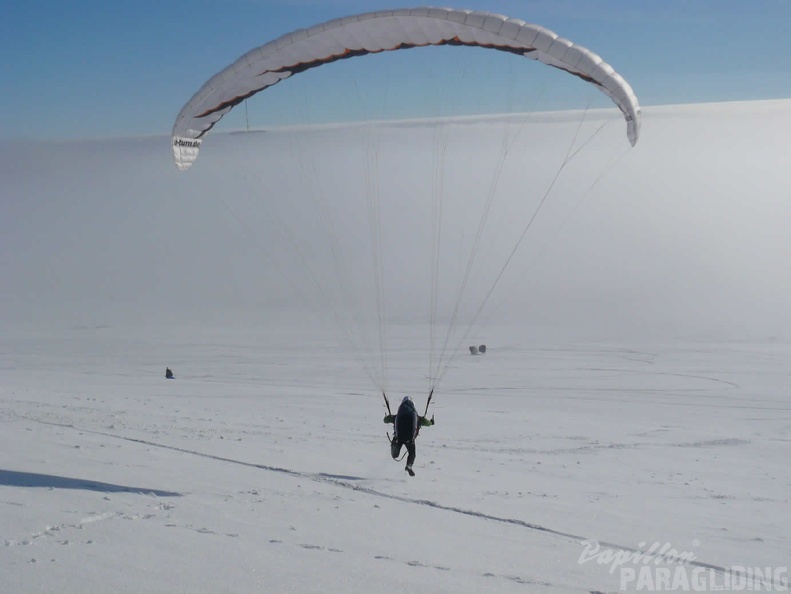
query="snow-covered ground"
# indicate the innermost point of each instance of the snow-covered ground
(634, 392)
(263, 468)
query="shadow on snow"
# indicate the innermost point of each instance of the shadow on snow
(340, 477)
(12, 478)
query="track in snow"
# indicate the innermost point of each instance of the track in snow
(348, 482)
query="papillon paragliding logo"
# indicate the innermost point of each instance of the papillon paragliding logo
(660, 567)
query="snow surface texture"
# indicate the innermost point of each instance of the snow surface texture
(642, 398)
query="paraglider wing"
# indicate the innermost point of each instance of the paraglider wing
(379, 31)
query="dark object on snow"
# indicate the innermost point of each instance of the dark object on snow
(407, 425)
(482, 349)
(473, 350)
(169, 373)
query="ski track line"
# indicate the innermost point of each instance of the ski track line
(341, 481)
(665, 373)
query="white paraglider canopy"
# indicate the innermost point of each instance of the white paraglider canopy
(389, 30)
(420, 194)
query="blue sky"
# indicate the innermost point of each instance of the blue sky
(93, 68)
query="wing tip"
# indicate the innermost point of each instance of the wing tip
(185, 151)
